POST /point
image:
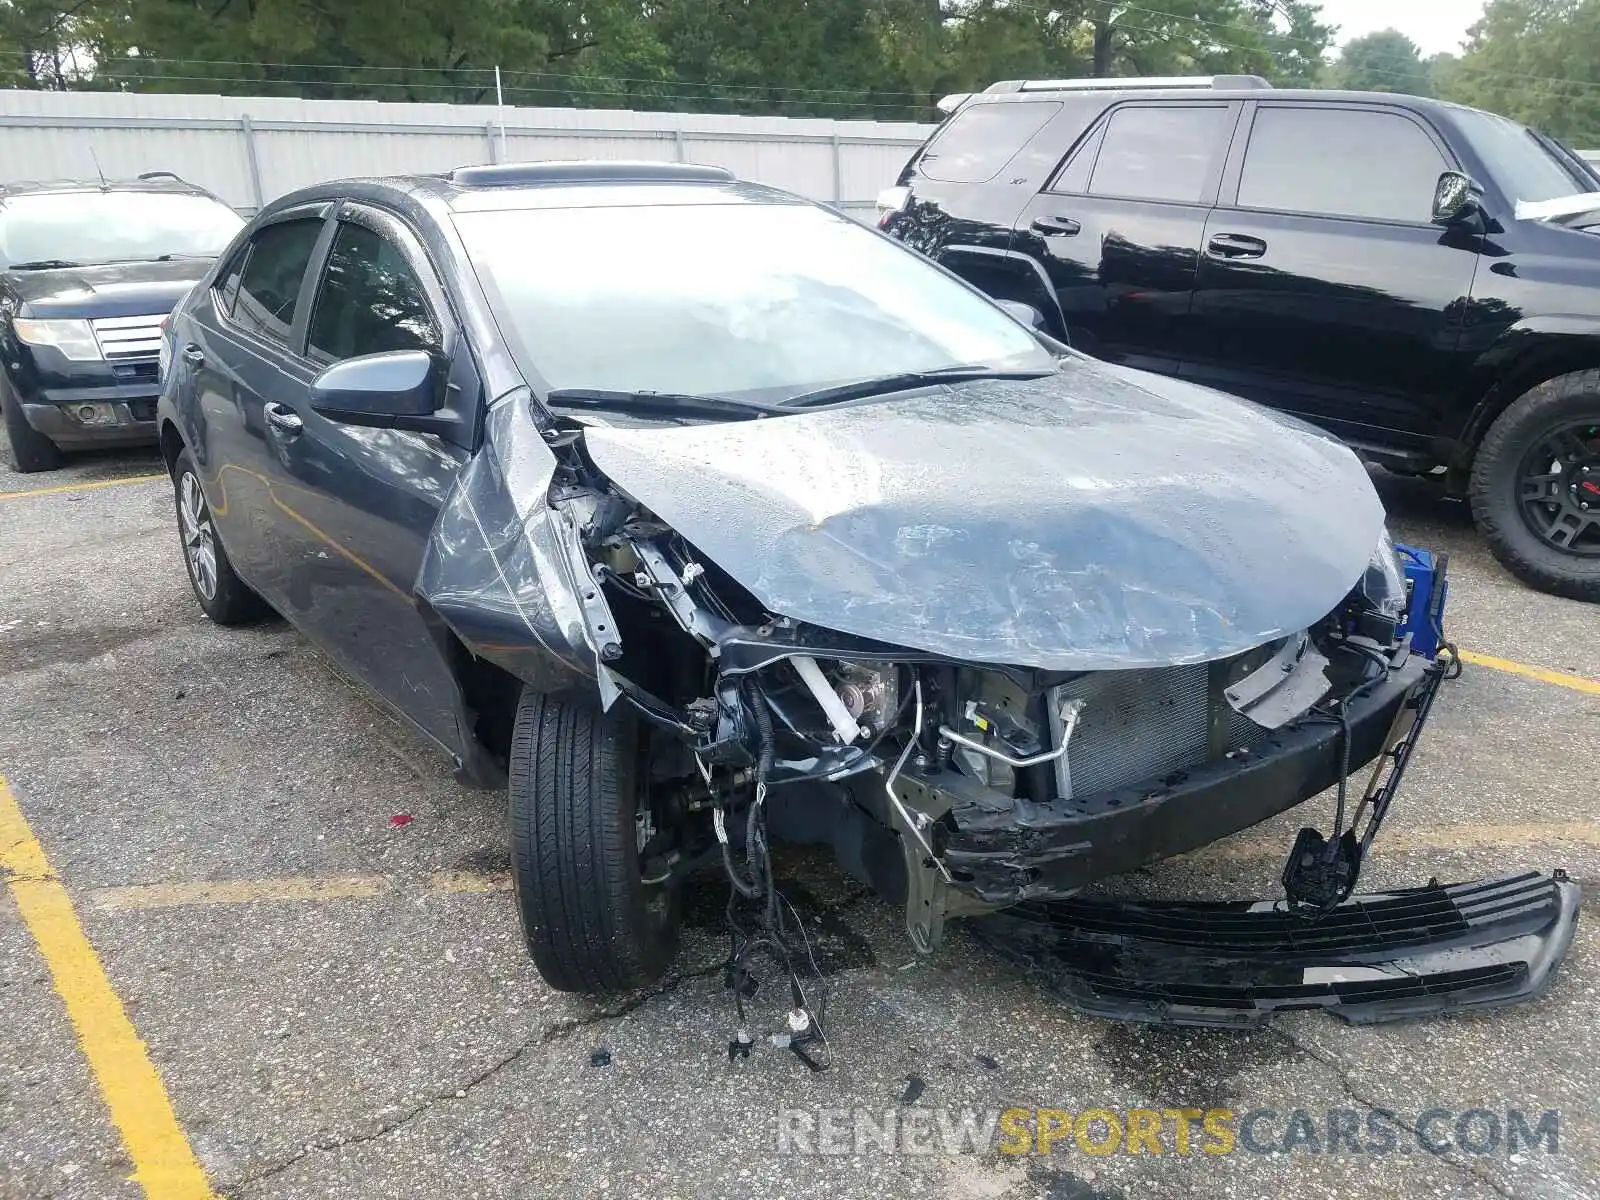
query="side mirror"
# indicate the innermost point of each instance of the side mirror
(398, 389)
(1456, 198)
(1025, 313)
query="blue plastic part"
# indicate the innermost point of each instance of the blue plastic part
(1427, 581)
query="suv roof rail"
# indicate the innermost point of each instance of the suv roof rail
(586, 171)
(173, 175)
(1133, 83)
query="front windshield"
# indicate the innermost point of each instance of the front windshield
(755, 301)
(1526, 169)
(100, 227)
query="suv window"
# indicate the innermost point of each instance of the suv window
(270, 283)
(369, 300)
(1340, 162)
(982, 138)
(1159, 152)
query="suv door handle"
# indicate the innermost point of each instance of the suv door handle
(1236, 245)
(1056, 226)
(281, 416)
(193, 355)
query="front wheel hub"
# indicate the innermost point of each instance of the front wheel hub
(1559, 489)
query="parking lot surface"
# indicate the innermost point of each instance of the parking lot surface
(306, 921)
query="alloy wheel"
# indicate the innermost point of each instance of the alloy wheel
(1559, 488)
(199, 538)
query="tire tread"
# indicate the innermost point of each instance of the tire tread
(1495, 509)
(571, 777)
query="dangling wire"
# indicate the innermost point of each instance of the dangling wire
(772, 934)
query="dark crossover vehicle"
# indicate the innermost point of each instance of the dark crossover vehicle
(1421, 278)
(695, 513)
(88, 271)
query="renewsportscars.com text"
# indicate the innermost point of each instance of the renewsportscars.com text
(1181, 1131)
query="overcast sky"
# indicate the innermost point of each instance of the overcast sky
(1435, 25)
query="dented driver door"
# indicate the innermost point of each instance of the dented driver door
(365, 499)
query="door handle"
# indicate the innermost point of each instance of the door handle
(193, 355)
(1056, 226)
(1236, 245)
(281, 416)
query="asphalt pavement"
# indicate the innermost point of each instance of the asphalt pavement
(307, 924)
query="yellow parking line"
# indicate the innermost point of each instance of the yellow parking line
(240, 891)
(288, 889)
(1473, 835)
(163, 1162)
(80, 487)
(1559, 679)
(445, 883)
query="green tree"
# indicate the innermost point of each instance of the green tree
(1536, 61)
(1386, 61)
(889, 59)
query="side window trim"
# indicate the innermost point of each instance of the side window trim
(403, 238)
(319, 209)
(309, 282)
(1094, 138)
(1228, 197)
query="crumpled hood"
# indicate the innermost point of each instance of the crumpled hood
(1097, 519)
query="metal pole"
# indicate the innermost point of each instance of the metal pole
(838, 171)
(500, 103)
(251, 160)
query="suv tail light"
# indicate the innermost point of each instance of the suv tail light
(891, 201)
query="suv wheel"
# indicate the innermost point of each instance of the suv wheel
(1536, 486)
(576, 784)
(221, 594)
(30, 449)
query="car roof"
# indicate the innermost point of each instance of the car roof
(1222, 87)
(545, 184)
(149, 182)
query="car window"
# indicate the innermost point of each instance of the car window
(105, 226)
(1341, 163)
(1159, 152)
(369, 300)
(793, 298)
(982, 138)
(1074, 177)
(228, 282)
(270, 282)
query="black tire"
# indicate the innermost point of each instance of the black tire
(1496, 483)
(590, 922)
(221, 594)
(30, 449)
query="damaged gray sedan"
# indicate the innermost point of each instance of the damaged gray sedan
(698, 515)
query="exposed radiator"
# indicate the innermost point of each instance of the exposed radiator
(1141, 725)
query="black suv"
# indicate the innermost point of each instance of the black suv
(88, 271)
(1422, 279)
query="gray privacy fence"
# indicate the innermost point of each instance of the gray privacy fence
(249, 150)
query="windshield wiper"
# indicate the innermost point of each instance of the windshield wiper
(904, 380)
(670, 404)
(44, 264)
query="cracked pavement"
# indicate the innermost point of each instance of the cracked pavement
(385, 1035)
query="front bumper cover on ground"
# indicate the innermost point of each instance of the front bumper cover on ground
(1385, 956)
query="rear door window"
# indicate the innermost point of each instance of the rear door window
(1340, 162)
(982, 138)
(269, 286)
(369, 300)
(1160, 152)
(228, 282)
